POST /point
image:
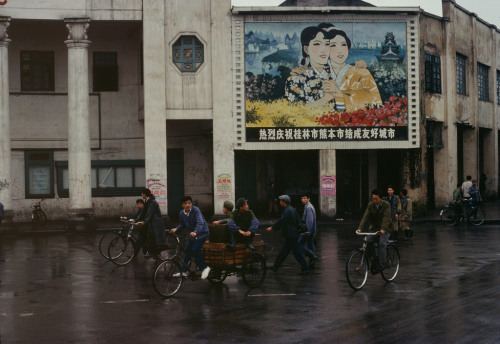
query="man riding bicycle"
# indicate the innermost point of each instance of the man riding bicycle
(378, 214)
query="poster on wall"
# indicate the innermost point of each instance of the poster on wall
(158, 188)
(224, 186)
(328, 186)
(320, 82)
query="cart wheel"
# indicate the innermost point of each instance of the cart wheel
(217, 275)
(254, 269)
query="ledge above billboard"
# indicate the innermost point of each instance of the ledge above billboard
(326, 81)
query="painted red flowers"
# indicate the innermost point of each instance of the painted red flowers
(392, 114)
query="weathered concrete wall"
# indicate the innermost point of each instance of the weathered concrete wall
(189, 91)
(60, 9)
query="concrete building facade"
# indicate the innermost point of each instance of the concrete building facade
(100, 99)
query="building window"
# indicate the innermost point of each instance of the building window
(187, 53)
(432, 73)
(108, 178)
(482, 82)
(39, 174)
(105, 72)
(498, 87)
(37, 71)
(461, 79)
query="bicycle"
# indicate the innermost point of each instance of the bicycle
(38, 217)
(358, 263)
(168, 276)
(452, 214)
(122, 248)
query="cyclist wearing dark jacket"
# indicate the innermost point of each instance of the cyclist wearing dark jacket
(378, 214)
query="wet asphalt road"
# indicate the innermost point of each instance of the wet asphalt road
(56, 288)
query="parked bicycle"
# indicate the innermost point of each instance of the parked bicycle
(251, 265)
(38, 217)
(122, 247)
(452, 214)
(359, 263)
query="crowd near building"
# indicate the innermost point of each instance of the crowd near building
(99, 99)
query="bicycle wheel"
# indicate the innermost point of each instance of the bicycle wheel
(105, 241)
(38, 218)
(170, 249)
(163, 279)
(121, 250)
(254, 269)
(449, 217)
(477, 216)
(392, 264)
(356, 269)
(217, 275)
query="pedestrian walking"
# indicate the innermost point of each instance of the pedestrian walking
(288, 224)
(271, 200)
(406, 214)
(306, 240)
(395, 205)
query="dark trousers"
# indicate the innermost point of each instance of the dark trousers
(310, 250)
(194, 250)
(238, 237)
(291, 244)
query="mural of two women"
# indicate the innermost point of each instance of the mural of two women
(325, 78)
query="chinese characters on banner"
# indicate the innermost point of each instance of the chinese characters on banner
(158, 188)
(328, 186)
(325, 134)
(224, 186)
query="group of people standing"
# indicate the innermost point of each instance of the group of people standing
(465, 191)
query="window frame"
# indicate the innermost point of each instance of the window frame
(433, 79)
(39, 62)
(179, 50)
(483, 79)
(30, 160)
(105, 77)
(461, 69)
(103, 191)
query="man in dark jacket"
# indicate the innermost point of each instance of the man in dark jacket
(242, 225)
(378, 214)
(151, 216)
(288, 224)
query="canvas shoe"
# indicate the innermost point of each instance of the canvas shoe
(178, 274)
(205, 272)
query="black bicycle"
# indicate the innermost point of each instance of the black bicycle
(452, 214)
(122, 247)
(359, 263)
(38, 217)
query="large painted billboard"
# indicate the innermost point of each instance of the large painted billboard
(344, 81)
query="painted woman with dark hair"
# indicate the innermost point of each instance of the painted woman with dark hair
(306, 83)
(354, 87)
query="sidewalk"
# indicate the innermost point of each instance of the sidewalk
(491, 209)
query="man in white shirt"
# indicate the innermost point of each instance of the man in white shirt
(465, 187)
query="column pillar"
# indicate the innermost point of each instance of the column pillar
(79, 167)
(223, 129)
(5, 155)
(155, 103)
(328, 183)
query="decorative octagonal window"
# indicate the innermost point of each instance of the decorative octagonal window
(187, 53)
